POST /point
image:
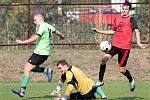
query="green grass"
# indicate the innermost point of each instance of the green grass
(116, 90)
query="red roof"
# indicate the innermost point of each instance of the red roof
(101, 16)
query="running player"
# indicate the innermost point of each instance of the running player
(42, 37)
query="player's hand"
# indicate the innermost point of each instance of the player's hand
(19, 42)
(62, 37)
(142, 46)
(94, 29)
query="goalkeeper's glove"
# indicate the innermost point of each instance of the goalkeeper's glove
(56, 92)
(63, 98)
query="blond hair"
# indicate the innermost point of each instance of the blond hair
(38, 15)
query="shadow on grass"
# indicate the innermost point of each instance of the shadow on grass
(46, 96)
(127, 98)
(119, 98)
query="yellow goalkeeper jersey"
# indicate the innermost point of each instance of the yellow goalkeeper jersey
(76, 79)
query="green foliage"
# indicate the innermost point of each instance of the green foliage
(141, 14)
(105, 1)
(89, 1)
(5, 2)
(14, 21)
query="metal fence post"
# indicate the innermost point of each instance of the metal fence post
(29, 21)
(149, 25)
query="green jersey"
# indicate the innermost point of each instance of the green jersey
(44, 30)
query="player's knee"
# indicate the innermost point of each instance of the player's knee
(26, 71)
(122, 69)
(105, 58)
(103, 62)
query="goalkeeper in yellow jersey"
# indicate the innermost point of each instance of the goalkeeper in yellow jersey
(75, 78)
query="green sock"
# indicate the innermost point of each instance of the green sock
(38, 69)
(100, 91)
(24, 83)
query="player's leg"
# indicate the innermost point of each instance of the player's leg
(33, 61)
(78, 96)
(38, 69)
(46, 70)
(25, 80)
(129, 77)
(105, 58)
(100, 92)
(75, 96)
(39, 60)
(122, 59)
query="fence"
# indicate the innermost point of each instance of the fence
(73, 18)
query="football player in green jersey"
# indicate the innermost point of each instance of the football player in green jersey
(42, 38)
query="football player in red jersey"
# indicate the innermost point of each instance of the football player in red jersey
(123, 28)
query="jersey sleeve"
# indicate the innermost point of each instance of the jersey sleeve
(134, 23)
(40, 30)
(69, 88)
(69, 76)
(53, 30)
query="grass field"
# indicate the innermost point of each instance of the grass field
(40, 90)
(12, 64)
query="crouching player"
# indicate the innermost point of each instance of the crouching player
(75, 78)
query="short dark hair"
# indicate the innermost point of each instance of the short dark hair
(62, 62)
(127, 3)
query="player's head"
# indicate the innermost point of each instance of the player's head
(126, 7)
(127, 3)
(62, 66)
(38, 19)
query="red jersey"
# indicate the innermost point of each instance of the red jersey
(123, 27)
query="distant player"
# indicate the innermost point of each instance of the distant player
(76, 79)
(42, 37)
(123, 28)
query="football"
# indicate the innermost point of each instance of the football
(105, 46)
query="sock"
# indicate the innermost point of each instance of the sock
(128, 75)
(24, 83)
(38, 69)
(100, 91)
(45, 70)
(101, 72)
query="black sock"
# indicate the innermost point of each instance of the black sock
(101, 72)
(128, 75)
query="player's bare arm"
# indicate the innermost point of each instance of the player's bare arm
(103, 32)
(31, 39)
(142, 46)
(60, 35)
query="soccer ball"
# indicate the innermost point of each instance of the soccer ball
(105, 46)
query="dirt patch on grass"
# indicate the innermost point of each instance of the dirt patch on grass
(12, 63)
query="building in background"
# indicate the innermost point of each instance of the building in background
(118, 7)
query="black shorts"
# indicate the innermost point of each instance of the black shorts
(123, 55)
(90, 95)
(36, 59)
